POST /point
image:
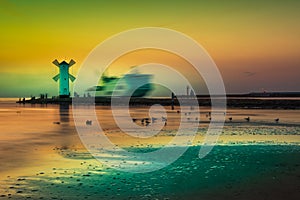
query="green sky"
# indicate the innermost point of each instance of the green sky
(255, 44)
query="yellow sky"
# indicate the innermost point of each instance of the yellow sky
(255, 44)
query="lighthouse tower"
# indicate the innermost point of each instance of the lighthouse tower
(64, 77)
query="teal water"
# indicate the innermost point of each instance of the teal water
(228, 172)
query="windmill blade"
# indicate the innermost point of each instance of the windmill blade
(72, 78)
(55, 78)
(55, 62)
(72, 62)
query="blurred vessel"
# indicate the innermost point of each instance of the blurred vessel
(134, 84)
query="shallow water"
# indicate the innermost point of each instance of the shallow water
(228, 172)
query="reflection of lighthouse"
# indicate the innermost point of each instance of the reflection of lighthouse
(64, 77)
(64, 129)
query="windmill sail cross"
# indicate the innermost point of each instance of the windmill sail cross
(64, 77)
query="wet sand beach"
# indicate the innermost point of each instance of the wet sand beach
(42, 157)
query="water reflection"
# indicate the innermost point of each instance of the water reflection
(65, 129)
(64, 114)
(68, 141)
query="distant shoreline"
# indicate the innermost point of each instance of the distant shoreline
(232, 102)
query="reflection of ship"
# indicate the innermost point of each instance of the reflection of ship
(135, 84)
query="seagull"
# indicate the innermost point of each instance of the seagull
(147, 123)
(247, 119)
(277, 120)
